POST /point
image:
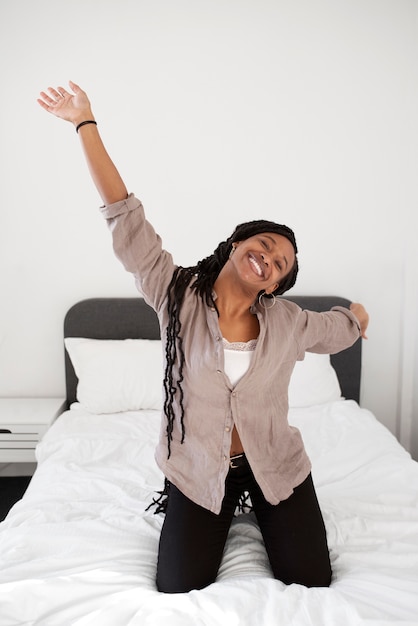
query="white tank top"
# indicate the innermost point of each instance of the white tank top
(237, 358)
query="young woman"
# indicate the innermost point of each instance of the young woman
(230, 346)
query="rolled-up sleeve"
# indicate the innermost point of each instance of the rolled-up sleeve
(329, 332)
(139, 248)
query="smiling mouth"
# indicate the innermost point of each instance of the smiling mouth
(256, 265)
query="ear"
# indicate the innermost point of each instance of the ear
(233, 248)
(270, 290)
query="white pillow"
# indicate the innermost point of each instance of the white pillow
(117, 375)
(313, 381)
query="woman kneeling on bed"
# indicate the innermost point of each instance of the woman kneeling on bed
(230, 346)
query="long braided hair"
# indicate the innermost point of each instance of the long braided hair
(201, 279)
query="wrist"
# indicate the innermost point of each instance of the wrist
(82, 117)
(85, 123)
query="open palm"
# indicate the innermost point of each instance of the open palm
(65, 105)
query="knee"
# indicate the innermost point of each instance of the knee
(318, 581)
(172, 586)
(316, 578)
(182, 579)
(179, 586)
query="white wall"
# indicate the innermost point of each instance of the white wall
(407, 426)
(301, 111)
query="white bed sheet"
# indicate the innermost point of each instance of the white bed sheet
(80, 549)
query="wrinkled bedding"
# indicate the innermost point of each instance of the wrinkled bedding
(81, 549)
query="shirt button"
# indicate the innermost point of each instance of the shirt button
(234, 393)
(212, 308)
(227, 429)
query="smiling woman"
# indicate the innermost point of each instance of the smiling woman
(225, 425)
(269, 258)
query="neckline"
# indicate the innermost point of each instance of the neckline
(240, 346)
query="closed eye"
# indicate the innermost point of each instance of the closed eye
(266, 244)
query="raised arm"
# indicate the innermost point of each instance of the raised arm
(75, 108)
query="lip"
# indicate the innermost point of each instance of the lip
(257, 265)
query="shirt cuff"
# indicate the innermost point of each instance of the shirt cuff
(349, 314)
(118, 208)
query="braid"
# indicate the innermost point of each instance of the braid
(208, 269)
(201, 279)
(174, 352)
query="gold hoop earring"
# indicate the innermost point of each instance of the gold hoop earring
(232, 250)
(261, 302)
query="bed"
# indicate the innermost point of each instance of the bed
(80, 548)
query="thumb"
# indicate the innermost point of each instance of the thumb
(74, 86)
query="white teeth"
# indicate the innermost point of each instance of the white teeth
(256, 266)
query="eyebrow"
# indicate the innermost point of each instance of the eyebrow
(275, 243)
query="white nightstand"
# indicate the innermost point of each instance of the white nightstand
(23, 421)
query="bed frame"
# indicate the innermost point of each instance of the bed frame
(132, 318)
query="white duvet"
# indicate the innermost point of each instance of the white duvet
(79, 549)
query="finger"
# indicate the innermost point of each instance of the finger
(46, 99)
(44, 96)
(55, 93)
(63, 92)
(43, 104)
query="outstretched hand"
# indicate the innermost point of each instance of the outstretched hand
(73, 107)
(362, 316)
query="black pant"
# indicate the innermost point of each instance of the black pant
(193, 539)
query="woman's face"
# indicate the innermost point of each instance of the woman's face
(263, 261)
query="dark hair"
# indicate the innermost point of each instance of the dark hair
(201, 279)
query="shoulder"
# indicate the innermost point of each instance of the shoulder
(289, 306)
(280, 309)
(285, 314)
(286, 309)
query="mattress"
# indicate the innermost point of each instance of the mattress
(80, 548)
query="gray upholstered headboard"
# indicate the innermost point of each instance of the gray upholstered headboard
(132, 318)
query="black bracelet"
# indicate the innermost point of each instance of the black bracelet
(86, 122)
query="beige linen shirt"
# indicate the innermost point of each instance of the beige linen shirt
(257, 404)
